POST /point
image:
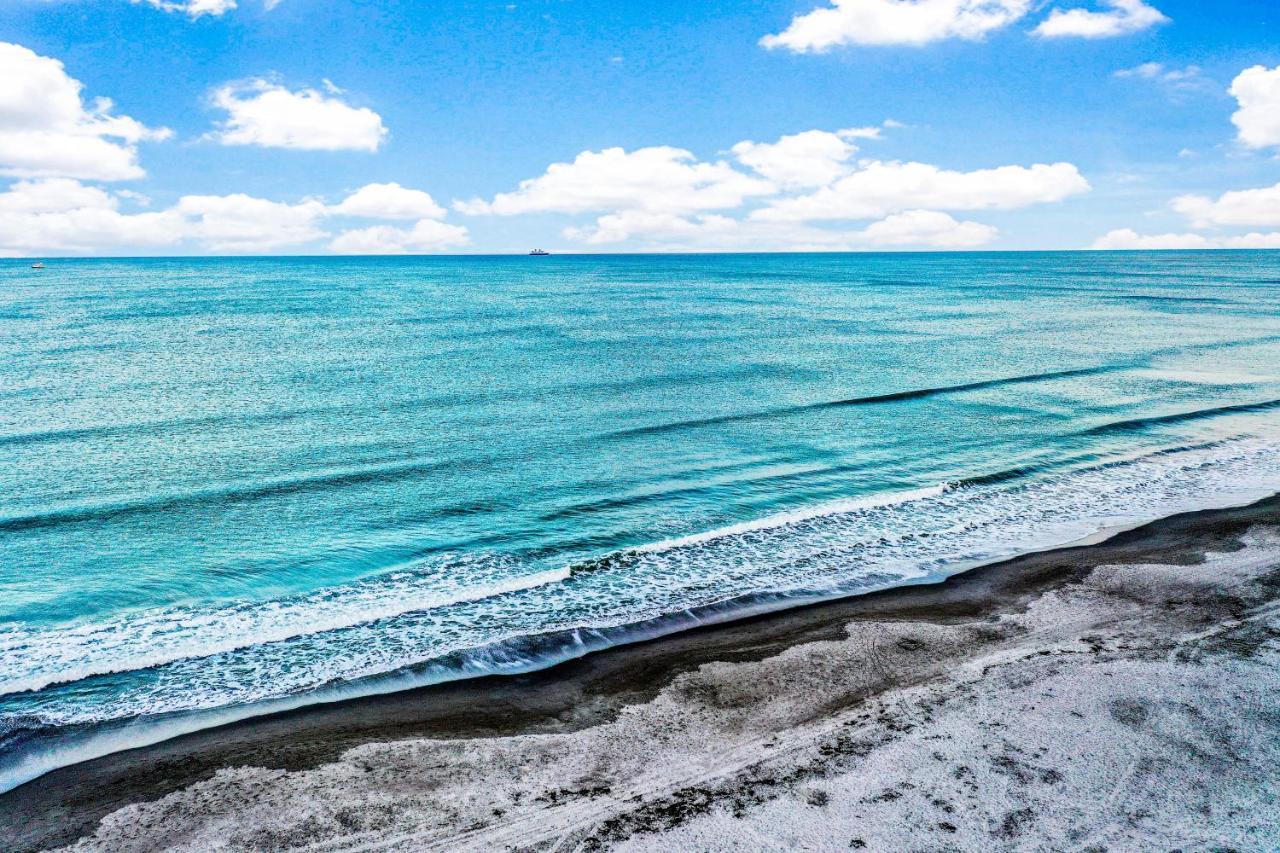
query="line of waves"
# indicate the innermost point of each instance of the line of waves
(872, 400)
(392, 469)
(99, 511)
(135, 429)
(1134, 424)
(939, 391)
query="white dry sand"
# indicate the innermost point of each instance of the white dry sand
(1138, 708)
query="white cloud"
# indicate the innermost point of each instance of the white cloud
(656, 179)
(878, 189)
(868, 132)
(1158, 71)
(1176, 79)
(47, 131)
(1238, 208)
(1257, 90)
(242, 223)
(58, 214)
(928, 228)
(1241, 207)
(1127, 238)
(428, 235)
(194, 8)
(53, 195)
(389, 201)
(1254, 241)
(712, 232)
(269, 115)
(1126, 16)
(881, 22)
(1146, 71)
(813, 158)
(650, 225)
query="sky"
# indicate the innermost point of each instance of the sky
(190, 127)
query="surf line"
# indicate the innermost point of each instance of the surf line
(872, 400)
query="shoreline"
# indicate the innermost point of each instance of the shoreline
(602, 689)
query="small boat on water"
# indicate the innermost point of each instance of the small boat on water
(539, 252)
(38, 265)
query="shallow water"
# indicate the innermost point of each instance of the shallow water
(229, 485)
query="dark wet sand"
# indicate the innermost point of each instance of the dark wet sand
(67, 804)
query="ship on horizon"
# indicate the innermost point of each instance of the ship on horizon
(539, 252)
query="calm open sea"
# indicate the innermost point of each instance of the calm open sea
(234, 485)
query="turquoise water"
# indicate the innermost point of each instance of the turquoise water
(234, 485)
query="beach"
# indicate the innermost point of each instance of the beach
(1109, 696)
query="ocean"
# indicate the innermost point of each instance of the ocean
(232, 486)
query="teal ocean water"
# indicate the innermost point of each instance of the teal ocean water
(229, 486)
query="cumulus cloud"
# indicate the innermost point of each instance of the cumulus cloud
(427, 235)
(1254, 240)
(1240, 207)
(1258, 208)
(242, 223)
(709, 232)
(927, 228)
(46, 129)
(878, 189)
(884, 22)
(1124, 17)
(267, 114)
(53, 195)
(194, 8)
(198, 8)
(666, 227)
(660, 178)
(1257, 90)
(389, 201)
(59, 214)
(1127, 238)
(919, 22)
(813, 158)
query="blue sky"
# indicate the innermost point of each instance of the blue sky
(1000, 124)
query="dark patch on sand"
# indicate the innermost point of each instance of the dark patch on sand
(1130, 712)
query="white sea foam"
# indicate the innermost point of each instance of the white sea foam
(784, 519)
(32, 660)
